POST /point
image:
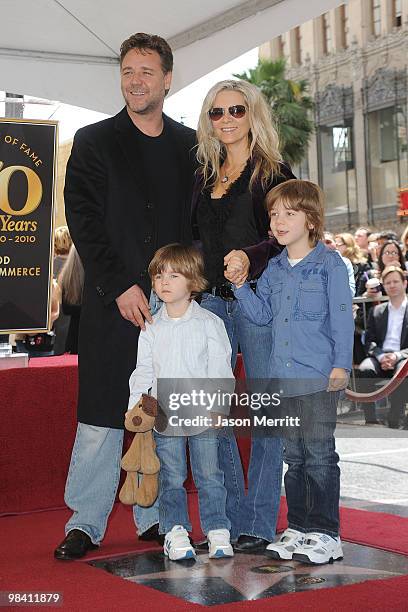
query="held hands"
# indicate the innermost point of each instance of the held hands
(338, 379)
(236, 267)
(133, 306)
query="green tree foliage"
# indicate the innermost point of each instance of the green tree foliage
(290, 103)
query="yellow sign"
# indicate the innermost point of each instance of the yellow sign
(27, 195)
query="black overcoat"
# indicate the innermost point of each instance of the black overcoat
(114, 226)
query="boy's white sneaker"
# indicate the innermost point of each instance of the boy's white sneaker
(177, 545)
(219, 544)
(318, 549)
(289, 542)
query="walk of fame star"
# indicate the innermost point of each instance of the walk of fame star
(250, 577)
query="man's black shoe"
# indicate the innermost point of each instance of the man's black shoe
(249, 544)
(152, 534)
(74, 546)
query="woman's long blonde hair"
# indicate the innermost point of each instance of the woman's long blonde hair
(352, 250)
(71, 279)
(263, 137)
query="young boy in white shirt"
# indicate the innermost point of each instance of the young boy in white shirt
(185, 343)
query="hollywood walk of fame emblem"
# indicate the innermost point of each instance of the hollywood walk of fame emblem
(250, 577)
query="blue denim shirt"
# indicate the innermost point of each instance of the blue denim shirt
(309, 307)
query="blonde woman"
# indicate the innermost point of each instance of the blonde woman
(71, 282)
(347, 246)
(62, 244)
(238, 152)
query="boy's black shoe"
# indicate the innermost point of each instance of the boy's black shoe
(249, 544)
(152, 534)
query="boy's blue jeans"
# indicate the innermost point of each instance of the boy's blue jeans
(208, 478)
(255, 513)
(312, 481)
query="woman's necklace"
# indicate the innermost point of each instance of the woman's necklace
(229, 175)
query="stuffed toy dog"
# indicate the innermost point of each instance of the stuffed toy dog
(141, 462)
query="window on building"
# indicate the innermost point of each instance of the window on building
(388, 144)
(344, 25)
(342, 149)
(298, 46)
(387, 154)
(337, 172)
(396, 13)
(376, 17)
(327, 43)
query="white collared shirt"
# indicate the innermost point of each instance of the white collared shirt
(194, 346)
(392, 340)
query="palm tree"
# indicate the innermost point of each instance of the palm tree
(290, 106)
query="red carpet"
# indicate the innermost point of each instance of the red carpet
(28, 565)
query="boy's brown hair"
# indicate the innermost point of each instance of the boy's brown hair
(185, 260)
(304, 196)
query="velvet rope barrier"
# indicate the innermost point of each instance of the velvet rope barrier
(383, 391)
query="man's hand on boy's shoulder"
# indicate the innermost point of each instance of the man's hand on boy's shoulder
(338, 379)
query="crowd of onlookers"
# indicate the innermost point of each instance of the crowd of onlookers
(370, 253)
(379, 263)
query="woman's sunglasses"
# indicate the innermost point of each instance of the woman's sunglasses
(237, 111)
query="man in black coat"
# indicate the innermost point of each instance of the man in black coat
(386, 343)
(127, 192)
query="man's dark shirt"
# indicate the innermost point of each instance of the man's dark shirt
(162, 184)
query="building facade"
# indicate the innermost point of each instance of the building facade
(355, 58)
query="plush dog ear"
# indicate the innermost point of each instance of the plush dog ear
(162, 420)
(149, 405)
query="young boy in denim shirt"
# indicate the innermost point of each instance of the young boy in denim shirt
(305, 295)
(185, 346)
